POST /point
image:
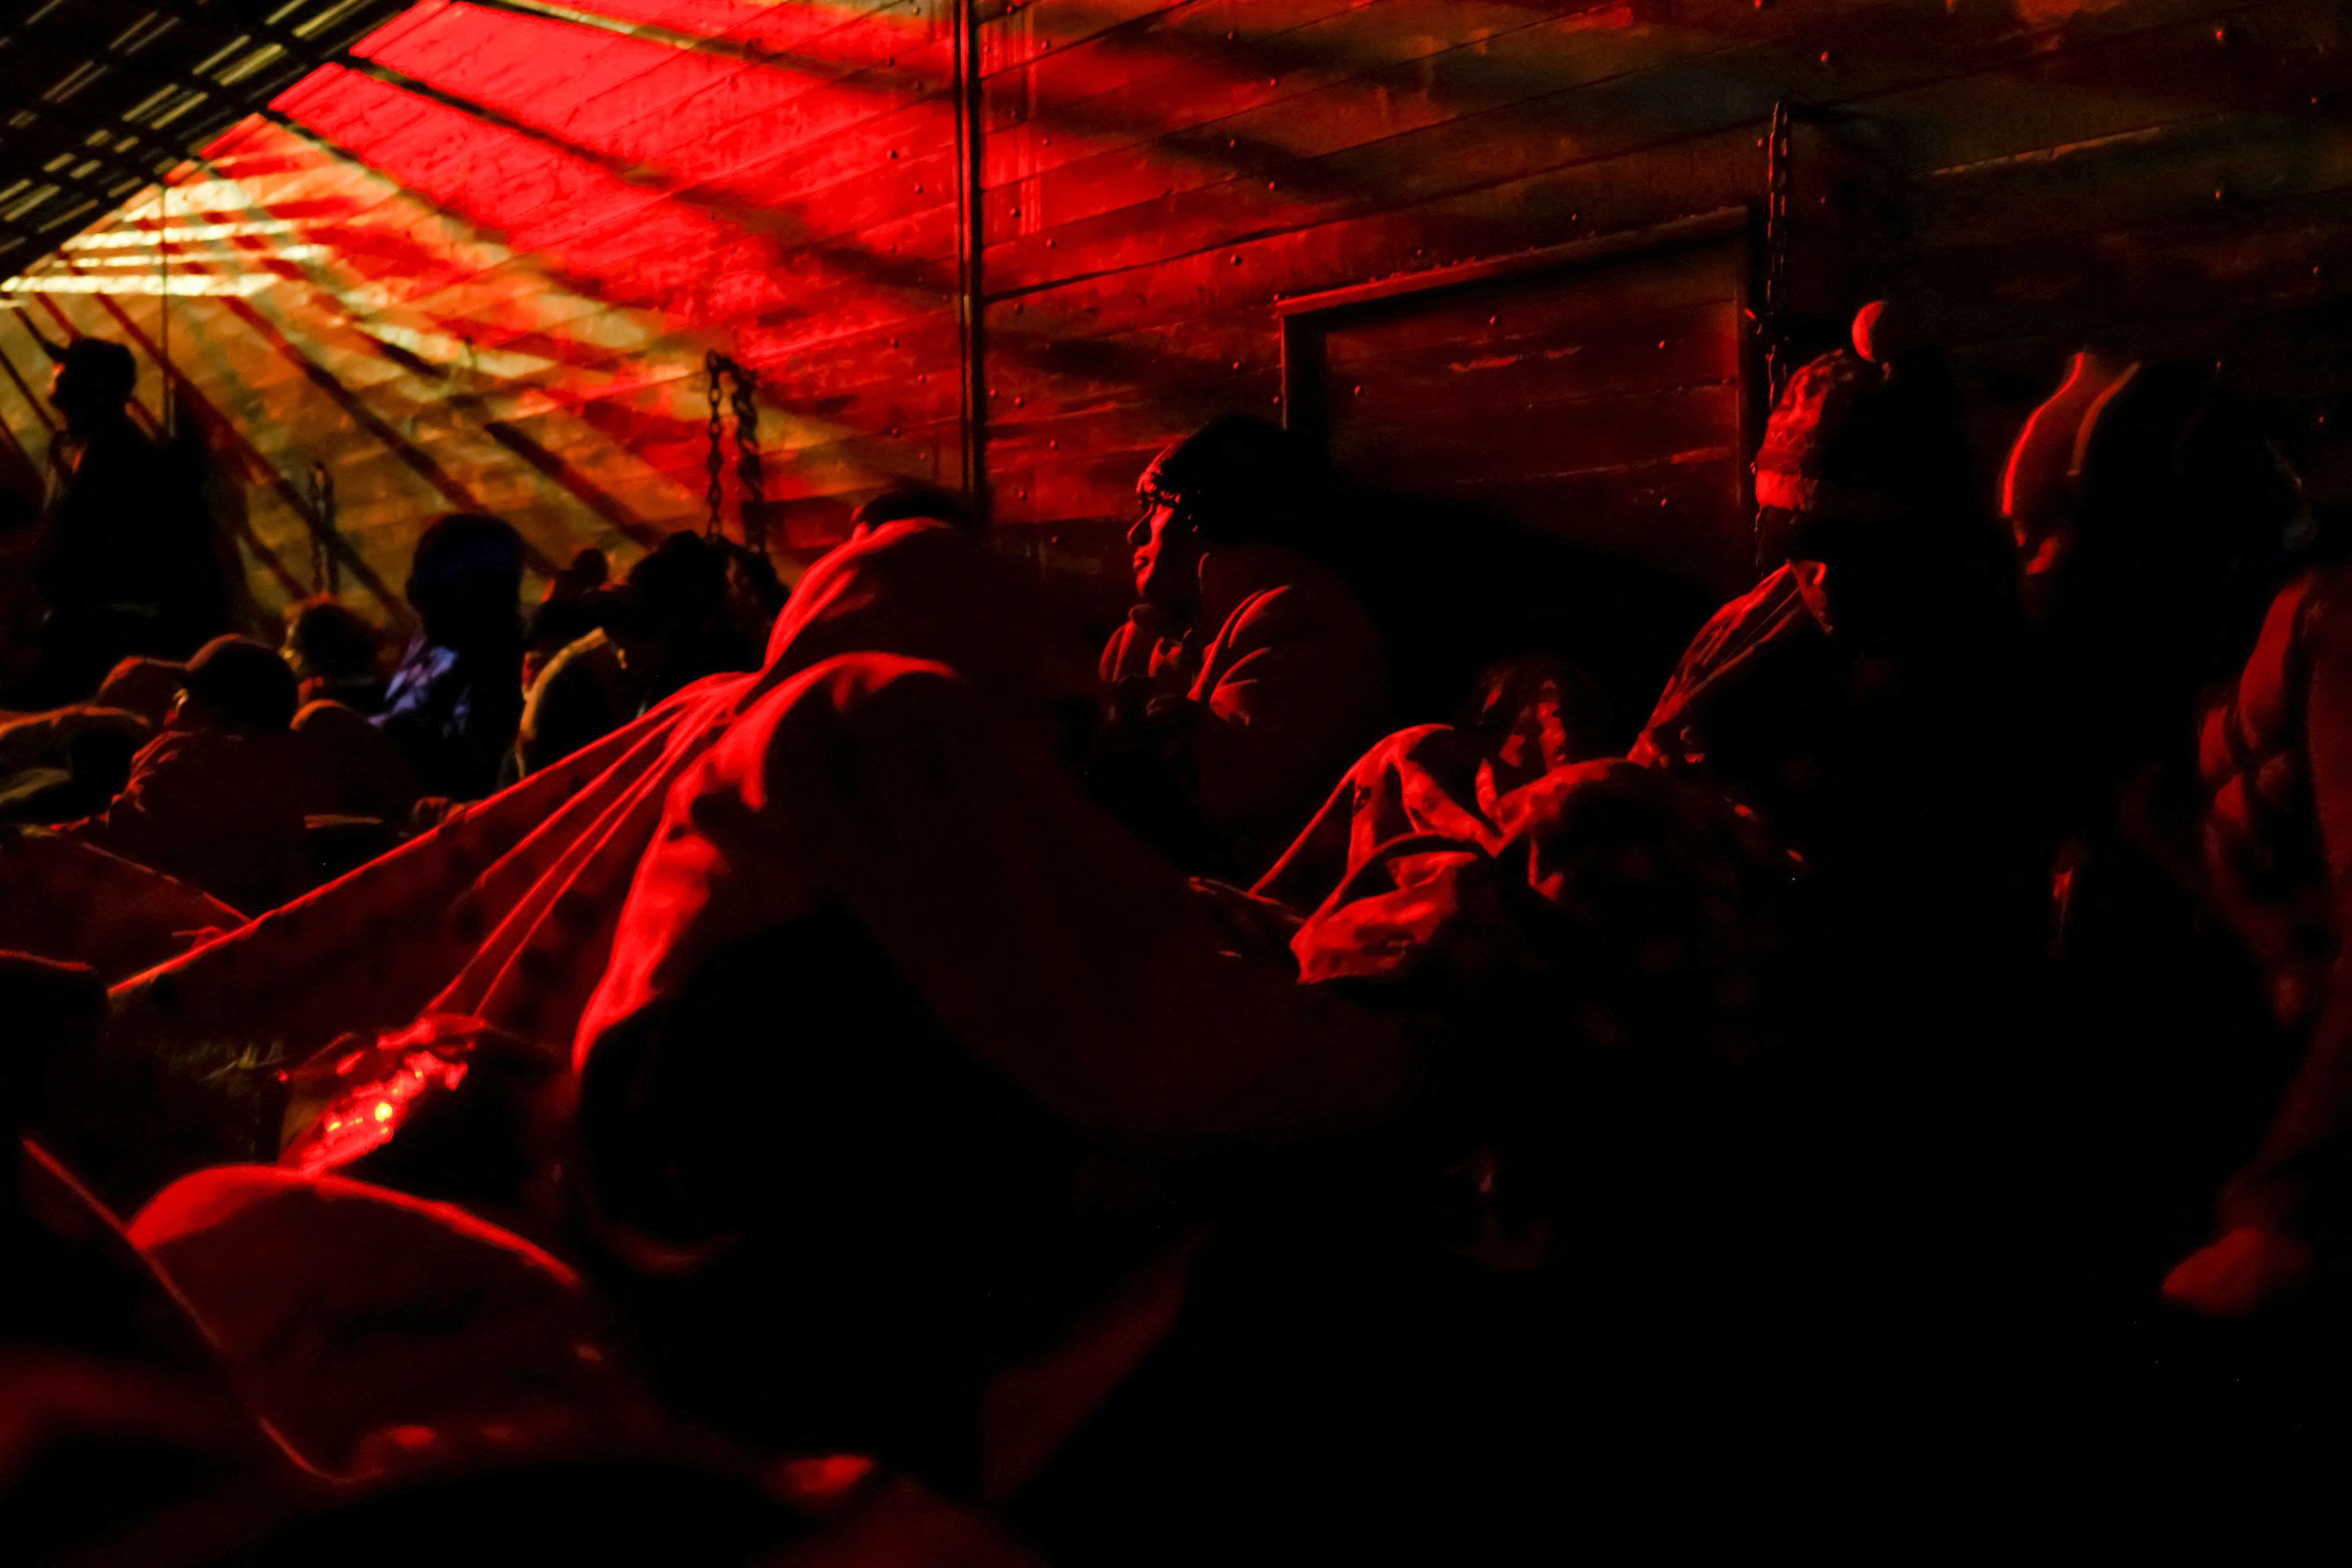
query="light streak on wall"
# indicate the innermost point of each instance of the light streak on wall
(481, 268)
(147, 284)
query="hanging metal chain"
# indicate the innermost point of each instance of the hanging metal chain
(714, 495)
(1774, 326)
(323, 573)
(749, 470)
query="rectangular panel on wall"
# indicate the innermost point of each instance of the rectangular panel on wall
(1594, 393)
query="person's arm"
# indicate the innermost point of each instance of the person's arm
(163, 809)
(39, 740)
(2261, 1251)
(1729, 642)
(568, 707)
(1120, 658)
(1296, 678)
(1047, 940)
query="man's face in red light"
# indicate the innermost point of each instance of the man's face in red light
(1166, 543)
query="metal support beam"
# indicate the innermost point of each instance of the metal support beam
(87, 34)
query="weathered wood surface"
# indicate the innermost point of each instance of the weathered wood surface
(493, 265)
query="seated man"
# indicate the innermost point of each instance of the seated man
(218, 799)
(1249, 677)
(1868, 701)
(1865, 696)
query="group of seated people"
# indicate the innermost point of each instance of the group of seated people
(845, 1078)
(253, 773)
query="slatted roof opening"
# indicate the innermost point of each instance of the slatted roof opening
(105, 97)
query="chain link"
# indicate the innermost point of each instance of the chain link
(322, 530)
(714, 495)
(751, 471)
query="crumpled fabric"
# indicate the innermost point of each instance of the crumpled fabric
(1646, 902)
(2275, 755)
(223, 810)
(77, 903)
(506, 915)
(1728, 650)
(505, 912)
(1285, 672)
(372, 1331)
(1050, 943)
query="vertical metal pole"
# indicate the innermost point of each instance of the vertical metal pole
(970, 237)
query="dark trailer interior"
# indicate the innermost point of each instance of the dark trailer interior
(923, 781)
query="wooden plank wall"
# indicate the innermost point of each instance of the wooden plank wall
(2170, 175)
(1595, 400)
(515, 229)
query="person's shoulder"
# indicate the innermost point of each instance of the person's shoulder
(1135, 643)
(1276, 584)
(580, 657)
(1756, 613)
(122, 443)
(2307, 624)
(905, 537)
(175, 745)
(591, 670)
(1773, 592)
(2318, 600)
(270, 754)
(421, 665)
